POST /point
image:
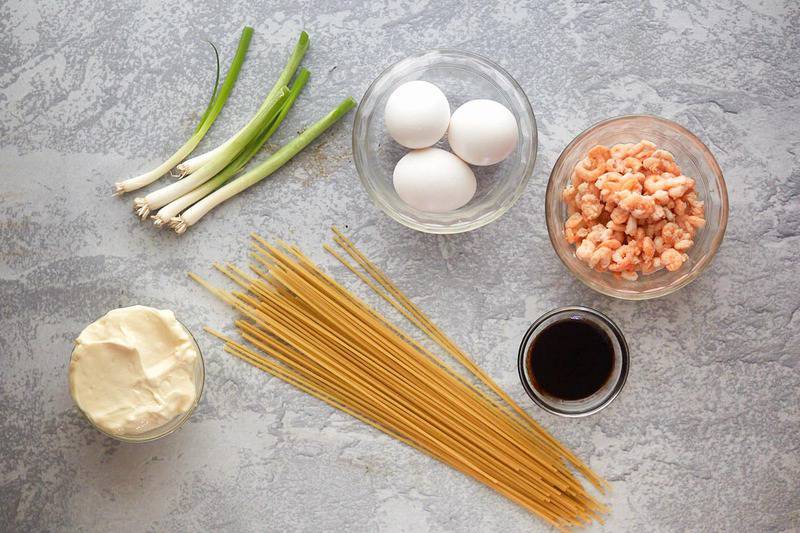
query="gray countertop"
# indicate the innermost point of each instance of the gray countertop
(703, 438)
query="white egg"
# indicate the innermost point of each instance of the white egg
(483, 132)
(417, 114)
(434, 180)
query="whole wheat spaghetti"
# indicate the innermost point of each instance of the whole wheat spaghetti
(302, 326)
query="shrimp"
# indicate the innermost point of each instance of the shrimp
(671, 233)
(615, 165)
(631, 211)
(697, 222)
(655, 182)
(643, 149)
(599, 234)
(631, 182)
(570, 236)
(587, 174)
(574, 221)
(600, 258)
(661, 196)
(658, 242)
(600, 153)
(631, 226)
(590, 206)
(672, 259)
(624, 256)
(585, 250)
(609, 181)
(611, 244)
(568, 194)
(619, 215)
(621, 151)
(632, 163)
(639, 206)
(648, 248)
(613, 226)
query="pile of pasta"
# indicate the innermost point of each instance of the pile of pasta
(302, 326)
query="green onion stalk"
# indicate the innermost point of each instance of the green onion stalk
(173, 208)
(285, 153)
(209, 116)
(195, 163)
(163, 196)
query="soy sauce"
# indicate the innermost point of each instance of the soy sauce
(570, 359)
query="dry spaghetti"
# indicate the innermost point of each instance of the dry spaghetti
(303, 327)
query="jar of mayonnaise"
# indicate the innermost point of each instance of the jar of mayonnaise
(136, 373)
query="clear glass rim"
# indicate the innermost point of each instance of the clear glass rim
(172, 425)
(554, 229)
(623, 355)
(359, 124)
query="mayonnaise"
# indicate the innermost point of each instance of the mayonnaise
(133, 370)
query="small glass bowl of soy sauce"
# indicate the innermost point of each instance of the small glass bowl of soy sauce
(573, 361)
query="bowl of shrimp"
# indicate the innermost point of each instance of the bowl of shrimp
(636, 207)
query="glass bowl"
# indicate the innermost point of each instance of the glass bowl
(462, 76)
(175, 423)
(601, 398)
(695, 161)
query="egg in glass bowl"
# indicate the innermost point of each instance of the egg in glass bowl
(462, 77)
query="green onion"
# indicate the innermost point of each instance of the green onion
(205, 123)
(214, 92)
(172, 209)
(260, 121)
(286, 152)
(193, 164)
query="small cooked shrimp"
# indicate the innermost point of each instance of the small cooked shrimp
(643, 149)
(621, 151)
(672, 259)
(648, 248)
(631, 226)
(631, 210)
(615, 165)
(660, 196)
(601, 258)
(599, 234)
(655, 182)
(624, 256)
(574, 221)
(609, 181)
(612, 244)
(639, 206)
(619, 215)
(632, 163)
(585, 250)
(590, 206)
(696, 221)
(671, 233)
(599, 153)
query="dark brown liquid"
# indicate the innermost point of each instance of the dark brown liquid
(570, 359)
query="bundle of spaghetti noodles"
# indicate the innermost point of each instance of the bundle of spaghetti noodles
(302, 326)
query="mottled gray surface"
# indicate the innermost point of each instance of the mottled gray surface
(704, 436)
